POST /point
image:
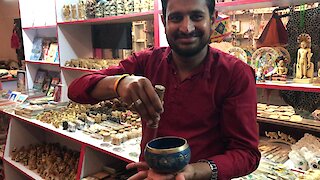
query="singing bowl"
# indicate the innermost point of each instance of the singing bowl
(168, 154)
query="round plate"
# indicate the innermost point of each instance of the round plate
(283, 52)
(238, 53)
(265, 57)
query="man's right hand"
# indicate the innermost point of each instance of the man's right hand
(139, 92)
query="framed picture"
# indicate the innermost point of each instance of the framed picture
(21, 82)
(55, 81)
(21, 98)
(14, 96)
(51, 90)
(39, 79)
(236, 26)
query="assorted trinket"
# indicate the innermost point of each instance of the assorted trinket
(97, 64)
(110, 121)
(50, 161)
(103, 8)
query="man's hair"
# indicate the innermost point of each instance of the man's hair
(210, 4)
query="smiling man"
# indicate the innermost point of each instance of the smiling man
(210, 97)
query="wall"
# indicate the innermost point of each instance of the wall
(9, 10)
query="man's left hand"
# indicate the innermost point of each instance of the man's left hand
(147, 173)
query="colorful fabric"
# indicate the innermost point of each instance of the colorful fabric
(221, 28)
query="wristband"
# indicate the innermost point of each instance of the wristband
(116, 83)
(213, 167)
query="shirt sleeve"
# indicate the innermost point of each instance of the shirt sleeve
(239, 126)
(79, 90)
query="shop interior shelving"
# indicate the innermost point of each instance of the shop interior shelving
(74, 39)
(32, 131)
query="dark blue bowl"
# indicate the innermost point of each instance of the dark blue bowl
(167, 154)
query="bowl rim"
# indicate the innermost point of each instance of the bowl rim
(168, 150)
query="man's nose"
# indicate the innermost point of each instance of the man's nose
(187, 25)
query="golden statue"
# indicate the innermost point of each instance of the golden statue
(280, 72)
(304, 66)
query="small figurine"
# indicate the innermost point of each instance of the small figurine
(304, 66)
(272, 135)
(280, 72)
(260, 75)
(81, 10)
(66, 12)
(74, 12)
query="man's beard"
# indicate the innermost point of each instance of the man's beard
(188, 52)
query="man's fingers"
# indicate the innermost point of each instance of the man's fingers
(139, 176)
(179, 176)
(138, 165)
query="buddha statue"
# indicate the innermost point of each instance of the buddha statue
(304, 66)
(280, 73)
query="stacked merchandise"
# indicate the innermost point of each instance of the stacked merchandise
(129, 6)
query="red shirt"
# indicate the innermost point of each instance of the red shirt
(214, 109)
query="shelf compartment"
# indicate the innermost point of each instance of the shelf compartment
(31, 135)
(42, 62)
(254, 4)
(310, 125)
(94, 161)
(79, 137)
(114, 19)
(289, 86)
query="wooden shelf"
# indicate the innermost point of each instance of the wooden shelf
(310, 125)
(42, 62)
(78, 69)
(114, 19)
(253, 4)
(289, 86)
(39, 27)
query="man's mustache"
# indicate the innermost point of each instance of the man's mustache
(188, 35)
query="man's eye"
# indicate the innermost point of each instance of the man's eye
(196, 17)
(175, 18)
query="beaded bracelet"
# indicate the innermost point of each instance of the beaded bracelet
(116, 83)
(213, 167)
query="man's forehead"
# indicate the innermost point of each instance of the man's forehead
(186, 4)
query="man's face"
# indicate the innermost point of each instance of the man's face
(187, 26)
